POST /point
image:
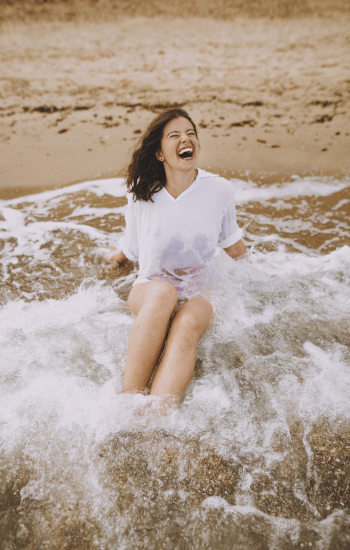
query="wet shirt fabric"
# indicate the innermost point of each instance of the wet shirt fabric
(175, 240)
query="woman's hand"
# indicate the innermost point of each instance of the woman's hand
(237, 251)
(111, 256)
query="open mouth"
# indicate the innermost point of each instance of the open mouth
(186, 153)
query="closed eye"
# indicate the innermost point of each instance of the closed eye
(176, 134)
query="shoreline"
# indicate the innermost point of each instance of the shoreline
(259, 178)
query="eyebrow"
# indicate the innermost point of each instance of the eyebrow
(177, 131)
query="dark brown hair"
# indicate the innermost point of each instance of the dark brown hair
(145, 175)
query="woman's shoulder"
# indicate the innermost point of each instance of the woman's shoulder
(215, 182)
(137, 206)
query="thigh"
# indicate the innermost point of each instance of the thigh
(156, 293)
(195, 314)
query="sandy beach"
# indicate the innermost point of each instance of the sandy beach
(271, 95)
(257, 454)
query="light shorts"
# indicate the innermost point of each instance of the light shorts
(203, 283)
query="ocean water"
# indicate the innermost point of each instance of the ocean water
(257, 456)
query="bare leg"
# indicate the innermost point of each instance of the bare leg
(176, 367)
(153, 304)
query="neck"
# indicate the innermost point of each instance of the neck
(178, 182)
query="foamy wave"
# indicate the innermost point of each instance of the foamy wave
(264, 427)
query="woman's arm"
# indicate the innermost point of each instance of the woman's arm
(237, 250)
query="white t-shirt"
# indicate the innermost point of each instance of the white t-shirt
(175, 239)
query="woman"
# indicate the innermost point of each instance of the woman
(176, 216)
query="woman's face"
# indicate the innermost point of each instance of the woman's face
(179, 145)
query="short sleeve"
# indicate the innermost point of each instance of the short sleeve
(129, 241)
(230, 232)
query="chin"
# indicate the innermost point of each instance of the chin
(187, 168)
(189, 164)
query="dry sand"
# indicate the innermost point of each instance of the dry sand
(270, 95)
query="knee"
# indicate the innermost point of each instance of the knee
(194, 325)
(162, 296)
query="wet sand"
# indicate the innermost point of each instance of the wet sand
(269, 85)
(271, 95)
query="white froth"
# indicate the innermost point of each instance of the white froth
(300, 187)
(114, 187)
(276, 354)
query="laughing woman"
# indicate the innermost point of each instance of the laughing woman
(176, 217)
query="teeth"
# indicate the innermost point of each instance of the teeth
(186, 153)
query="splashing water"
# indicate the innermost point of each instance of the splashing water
(257, 455)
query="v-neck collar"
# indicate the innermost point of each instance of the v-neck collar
(175, 199)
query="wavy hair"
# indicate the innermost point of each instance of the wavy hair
(145, 175)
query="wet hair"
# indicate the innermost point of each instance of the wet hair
(145, 174)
